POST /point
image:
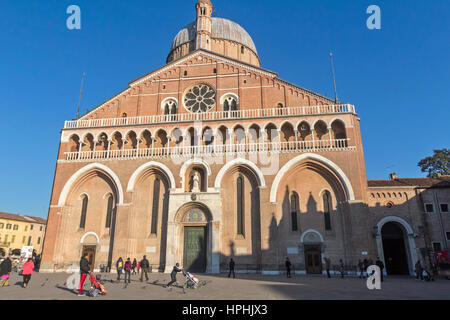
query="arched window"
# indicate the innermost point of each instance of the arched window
(240, 205)
(170, 108)
(294, 210)
(109, 211)
(230, 104)
(327, 209)
(83, 212)
(242, 49)
(155, 206)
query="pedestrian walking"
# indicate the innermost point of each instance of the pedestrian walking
(365, 266)
(173, 274)
(139, 267)
(145, 265)
(341, 266)
(231, 265)
(288, 267)
(418, 270)
(361, 269)
(84, 271)
(119, 267)
(5, 270)
(134, 266)
(327, 266)
(127, 268)
(27, 271)
(380, 265)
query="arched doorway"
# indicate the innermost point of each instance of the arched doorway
(394, 249)
(312, 242)
(193, 230)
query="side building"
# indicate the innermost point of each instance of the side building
(17, 231)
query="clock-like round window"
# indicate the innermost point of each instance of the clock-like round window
(199, 98)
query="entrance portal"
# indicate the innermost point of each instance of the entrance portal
(313, 259)
(90, 250)
(194, 249)
(394, 249)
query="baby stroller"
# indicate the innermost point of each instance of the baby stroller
(97, 286)
(192, 281)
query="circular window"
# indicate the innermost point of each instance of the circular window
(199, 98)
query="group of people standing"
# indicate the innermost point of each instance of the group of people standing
(366, 263)
(129, 268)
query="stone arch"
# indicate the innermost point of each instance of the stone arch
(91, 167)
(309, 231)
(240, 161)
(310, 156)
(86, 235)
(148, 165)
(409, 235)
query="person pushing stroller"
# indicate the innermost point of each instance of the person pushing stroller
(173, 274)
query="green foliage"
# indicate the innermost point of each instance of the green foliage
(436, 165)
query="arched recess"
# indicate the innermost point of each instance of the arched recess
(310, 156)
(91, 167)
(239, 161)
(189, 164)
(165, 170)
(409, 242)
(151, 191)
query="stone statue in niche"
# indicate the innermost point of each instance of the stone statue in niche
(195, 182)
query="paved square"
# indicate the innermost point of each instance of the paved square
(244, 287)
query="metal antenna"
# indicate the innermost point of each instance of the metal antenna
(334, 79)
(81, 92)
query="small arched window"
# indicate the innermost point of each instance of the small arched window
(294, 211)
(242, 49)
(230, 104)
(240, 205)
(327, 209)
(109, 210)
(170, 107)
(84, 206)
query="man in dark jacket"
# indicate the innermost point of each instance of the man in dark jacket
(145, 265)
(6, 266)
(231, 268)
(288, 267)
(85, 270)
(380, 265)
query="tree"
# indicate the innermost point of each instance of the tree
(436, 165)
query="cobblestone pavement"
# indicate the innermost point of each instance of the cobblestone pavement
(220, 287)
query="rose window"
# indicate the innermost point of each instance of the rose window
(200, 98)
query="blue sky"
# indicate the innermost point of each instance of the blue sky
(397, 77)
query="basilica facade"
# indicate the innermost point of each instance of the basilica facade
(212, 157)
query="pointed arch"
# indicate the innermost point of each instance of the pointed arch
(329, 164)
(147, 165)
(94, 166)
(240, 161)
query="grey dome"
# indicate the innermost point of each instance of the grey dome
(221, 29)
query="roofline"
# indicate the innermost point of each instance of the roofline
(186, 57)
(306, 90)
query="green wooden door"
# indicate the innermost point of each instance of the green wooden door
(195, 249)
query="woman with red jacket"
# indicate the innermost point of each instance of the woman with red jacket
(27, 271)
